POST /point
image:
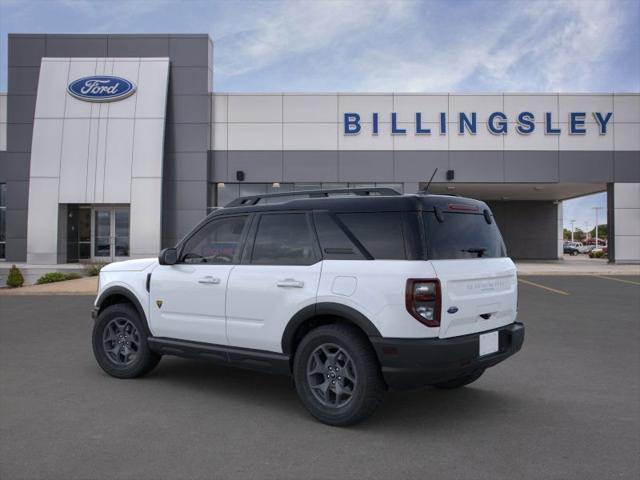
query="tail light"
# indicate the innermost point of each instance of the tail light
(422, 298)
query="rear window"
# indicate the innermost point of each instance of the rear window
(462, 235)
(379, 233)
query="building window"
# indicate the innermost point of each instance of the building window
(220, 194)
(3, 216)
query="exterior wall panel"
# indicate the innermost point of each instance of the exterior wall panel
(95, 153)
(529, 228)
(626, 211)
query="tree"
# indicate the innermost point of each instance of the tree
(578, 235)
(603, 231)
(15, 278)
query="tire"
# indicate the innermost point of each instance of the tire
(574, 253)
(120, 327)
(340, 354)
(460, 381)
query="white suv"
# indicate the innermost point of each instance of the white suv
(350, 292)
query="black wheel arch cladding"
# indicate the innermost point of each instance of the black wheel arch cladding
(325, 309)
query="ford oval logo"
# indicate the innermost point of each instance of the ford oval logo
(101, 88)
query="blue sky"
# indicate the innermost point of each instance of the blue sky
(369, 45)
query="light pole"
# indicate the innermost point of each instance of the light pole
(572, 228)
(596, 209)
(586, 231)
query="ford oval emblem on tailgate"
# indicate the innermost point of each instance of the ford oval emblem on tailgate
(452, 309)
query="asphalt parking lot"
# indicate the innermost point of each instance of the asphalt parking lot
(567, 406)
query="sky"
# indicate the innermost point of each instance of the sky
(378, 45)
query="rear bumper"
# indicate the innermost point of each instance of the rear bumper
(410, 363)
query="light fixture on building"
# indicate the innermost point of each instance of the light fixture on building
(275, 185)
(220, 185)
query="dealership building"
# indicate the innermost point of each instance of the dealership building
(114, 146)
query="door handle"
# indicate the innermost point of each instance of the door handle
(290, 283)
(209, 280)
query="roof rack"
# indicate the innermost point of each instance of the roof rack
(362, 192)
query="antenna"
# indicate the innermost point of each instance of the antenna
(426, 189)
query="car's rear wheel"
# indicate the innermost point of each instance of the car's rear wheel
(120, 343)
(337, 375)
(460, 381)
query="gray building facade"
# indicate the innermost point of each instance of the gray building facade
(141, 171)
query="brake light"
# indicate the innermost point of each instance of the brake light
(462, 207)
(423, 300)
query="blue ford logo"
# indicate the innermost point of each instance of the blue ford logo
(101, 88)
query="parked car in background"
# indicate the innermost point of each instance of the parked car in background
(599, 252)
(572, 248)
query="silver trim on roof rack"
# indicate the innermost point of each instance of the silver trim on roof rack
(361, 192)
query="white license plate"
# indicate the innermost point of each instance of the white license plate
(489, 343)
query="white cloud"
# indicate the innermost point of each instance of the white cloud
(290, 29)
(558, 49)
(407, 46)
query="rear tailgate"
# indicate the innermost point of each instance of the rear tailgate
(477, 294)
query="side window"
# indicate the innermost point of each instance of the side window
(283, 239)
(380, 233)
(334, 242)
(218, 242)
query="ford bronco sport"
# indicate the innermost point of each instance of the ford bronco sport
(351, 292)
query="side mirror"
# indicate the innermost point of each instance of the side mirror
(168, 256)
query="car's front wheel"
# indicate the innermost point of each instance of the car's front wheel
(337, 375)
(120, 343)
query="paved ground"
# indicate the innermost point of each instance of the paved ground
(79, 286)
(578, 265)
(566, 407)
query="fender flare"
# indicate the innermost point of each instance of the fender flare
(129, 295)
(326, 308)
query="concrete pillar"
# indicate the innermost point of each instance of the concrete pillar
(623, 206)
(560, 236)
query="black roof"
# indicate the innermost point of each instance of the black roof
(373, 203)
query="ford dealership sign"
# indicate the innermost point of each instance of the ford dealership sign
(101, 88)
(497, 123)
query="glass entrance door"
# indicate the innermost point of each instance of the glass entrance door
(78, 233)
(110, 233)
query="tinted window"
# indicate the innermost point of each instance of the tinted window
(462, 235)
(218, 242)
(379, 233)
(283, 239)
(334, 242)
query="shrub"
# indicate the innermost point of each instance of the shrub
(52, 277)
(596, 254)
(15, 278)
(93, 269)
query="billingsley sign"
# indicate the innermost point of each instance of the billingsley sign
(497, 123)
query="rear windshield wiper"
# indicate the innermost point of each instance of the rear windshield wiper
(479, 251)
